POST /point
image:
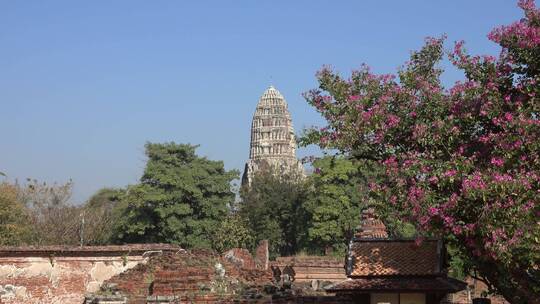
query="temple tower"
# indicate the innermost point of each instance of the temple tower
(273, 144)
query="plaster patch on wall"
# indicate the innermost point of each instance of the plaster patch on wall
(35, 269)
(102, 271)
(8, 292)
(9, 271)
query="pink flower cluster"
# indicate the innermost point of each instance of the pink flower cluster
(497, 161)
(474, 182)
(525, 33)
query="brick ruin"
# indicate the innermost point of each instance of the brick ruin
(206, 277)
(313, 270)
(64, 274)
(161, 273)
(157, 273)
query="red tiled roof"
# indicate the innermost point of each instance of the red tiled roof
(399, 284)
(386, 257)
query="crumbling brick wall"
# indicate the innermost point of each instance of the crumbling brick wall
(62, 275)
(242, 257)
(194, 277)
(310, 268)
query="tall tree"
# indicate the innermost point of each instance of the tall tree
(272, 205)
(181, 199)
(333, 203)
(463, 163)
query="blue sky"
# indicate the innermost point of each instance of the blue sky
(84, 84)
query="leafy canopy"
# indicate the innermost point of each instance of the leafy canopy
(272, 205)
(333, 203)
(14, 229)
(463, 162)
(181, 199)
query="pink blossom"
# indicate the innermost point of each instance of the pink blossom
(392, 121)
(457, 230)
(497, 161)
(390, 162)
(502, 178)
(448, 221)
(415, 194)
(474, 182)
(433, 211)
(450, 173)
(529, 205)
(354, 97)
(424, 220)
(470, 226)
(433, 179)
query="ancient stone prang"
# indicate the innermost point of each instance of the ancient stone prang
(273, 144)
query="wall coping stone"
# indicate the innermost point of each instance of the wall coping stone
(70, 251)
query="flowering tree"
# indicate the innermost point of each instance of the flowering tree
(462, 163)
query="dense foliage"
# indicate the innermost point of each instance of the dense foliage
(273, 208)
(339, 190)
(13, 217)
(464, 162)
(234, 232)
(333, 204)
(181, 198)
(36, 213)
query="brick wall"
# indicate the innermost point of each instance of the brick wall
(242, 257)
(62, 275)
(309, 268)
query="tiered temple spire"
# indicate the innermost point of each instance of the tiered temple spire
(273, 144)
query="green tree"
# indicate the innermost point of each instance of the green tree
(181, 199)
(339, 190)
(333, 204)
(272, 204)
(234, 232)
(13, 217)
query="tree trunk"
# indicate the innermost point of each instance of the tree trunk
(515, 285)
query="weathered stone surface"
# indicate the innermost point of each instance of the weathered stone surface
(313, 268)
(62, 274)
(198, 277)
(273, 144)
(262, 255)
(240, 257)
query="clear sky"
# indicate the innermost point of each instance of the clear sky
(84, 84)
